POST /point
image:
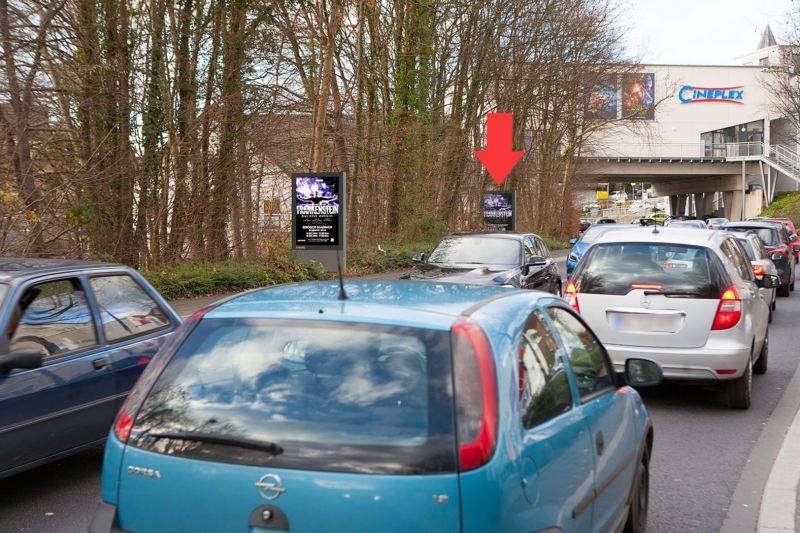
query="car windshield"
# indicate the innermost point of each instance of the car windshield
(769, 236)
(340, 397)
(619, 268)
(717, 220)
(476, 251)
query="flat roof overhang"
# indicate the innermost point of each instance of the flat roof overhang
(602, 169)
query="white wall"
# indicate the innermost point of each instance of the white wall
(677, 126)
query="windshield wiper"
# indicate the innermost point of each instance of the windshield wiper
(265, 446)
(675, 293)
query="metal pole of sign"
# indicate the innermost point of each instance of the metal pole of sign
(744, 191)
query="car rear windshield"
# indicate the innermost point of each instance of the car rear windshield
(477, 251)
(676, 270)
(333, 396)
(769, 236)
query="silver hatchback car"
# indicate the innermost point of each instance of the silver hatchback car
(687, 299)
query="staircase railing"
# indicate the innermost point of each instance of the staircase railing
(785, 156)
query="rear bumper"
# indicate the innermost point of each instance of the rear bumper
(686, 364)
(105, 519)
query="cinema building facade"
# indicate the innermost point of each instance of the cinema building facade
(707, 136)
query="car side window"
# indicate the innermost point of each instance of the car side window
(735, 259)
(745, 266)
(592, 369)
(530, 251)
(543, 383)
(542, 248)
(126, 310)
(53, 316)
(761, 252)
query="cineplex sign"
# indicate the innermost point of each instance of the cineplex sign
(689, 94)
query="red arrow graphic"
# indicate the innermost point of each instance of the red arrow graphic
(499, 157)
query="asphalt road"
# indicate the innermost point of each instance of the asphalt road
(701, 447)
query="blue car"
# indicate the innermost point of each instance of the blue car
(579, 246)
(408, 406)
(76, 337)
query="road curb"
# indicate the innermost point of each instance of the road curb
(778, 505)
(761, 491)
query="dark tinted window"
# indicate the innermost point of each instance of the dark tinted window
(737, 258)
(768, 236)
(748, 249)
(477, 251)
(54, 317)
(543, 383)
(337, 397)
(618, 268)
(125, 308)
(586, 356)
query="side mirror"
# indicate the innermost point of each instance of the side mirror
(418, 258)
(573, 240)
(796, 248)
(643, 373)
(776, 256)
(792, 238)
(22, 359)
(769, 281)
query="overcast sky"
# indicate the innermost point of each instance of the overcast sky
(700, 32)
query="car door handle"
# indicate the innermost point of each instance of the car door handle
(100, 362)
(599, 443)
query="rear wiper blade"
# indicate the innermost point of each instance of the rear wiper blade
(675, 293)
(252, 444)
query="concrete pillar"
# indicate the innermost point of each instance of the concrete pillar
(673, 204)
(704, 204)
(733, 205)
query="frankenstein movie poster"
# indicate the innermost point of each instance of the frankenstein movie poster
(638, 96)
(603, 100)
(316, 217)
(498, 210)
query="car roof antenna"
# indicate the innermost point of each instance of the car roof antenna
(655, 229)
(342, 293)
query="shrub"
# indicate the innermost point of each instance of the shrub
(787, 205)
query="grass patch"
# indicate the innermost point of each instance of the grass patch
(184, 280)
(554, 243)
(787, 205)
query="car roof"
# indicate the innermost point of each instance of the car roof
(490, 234)
(664, 234)
(408, 303)
(753, 224)
(14, 268)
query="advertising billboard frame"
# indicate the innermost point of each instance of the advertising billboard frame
(338, 178)
(510, 223)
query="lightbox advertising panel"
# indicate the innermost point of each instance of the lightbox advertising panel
(498, 210)
(316, 216)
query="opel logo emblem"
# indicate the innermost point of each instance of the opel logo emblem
(270, 487)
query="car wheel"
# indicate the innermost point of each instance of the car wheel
(637, 514)
(558, 290)
(774, 302)
(783, 290)
(761, 364)
(740, 390)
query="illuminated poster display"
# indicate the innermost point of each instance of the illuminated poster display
(639, 96)
(317, 222)
(498, 210)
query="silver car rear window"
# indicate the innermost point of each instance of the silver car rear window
(619, 268)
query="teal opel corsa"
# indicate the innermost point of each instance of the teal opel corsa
(409, 406)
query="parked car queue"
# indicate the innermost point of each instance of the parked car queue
(292, 392)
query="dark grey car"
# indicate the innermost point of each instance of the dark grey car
(520, 260)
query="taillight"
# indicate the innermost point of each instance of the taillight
(759, 270)
(571, 296)
(729, 311)
(475, 395)
(123, 423)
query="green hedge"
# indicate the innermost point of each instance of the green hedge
(185, 280)
(367, 259)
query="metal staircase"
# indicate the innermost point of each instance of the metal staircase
(784, 160)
